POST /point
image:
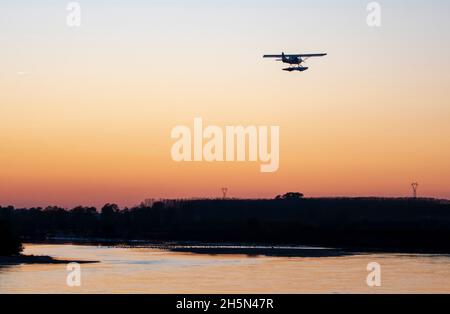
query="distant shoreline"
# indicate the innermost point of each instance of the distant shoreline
(33, 260)
(227, 248)
(407, 225)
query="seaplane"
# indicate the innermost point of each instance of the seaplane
(295, 61)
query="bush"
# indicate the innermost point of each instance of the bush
(10, 243)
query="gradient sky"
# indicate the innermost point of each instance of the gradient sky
(86, 113)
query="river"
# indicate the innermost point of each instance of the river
(155, 270)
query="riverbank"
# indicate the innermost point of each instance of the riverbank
(32, 260)
(353, 224)
(231, 248)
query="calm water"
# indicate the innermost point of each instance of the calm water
(149, 270)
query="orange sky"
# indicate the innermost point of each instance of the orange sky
(87, 113)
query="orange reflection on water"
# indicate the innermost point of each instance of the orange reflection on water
(149, 270)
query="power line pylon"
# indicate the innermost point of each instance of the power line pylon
(415, 187)
(224, 192)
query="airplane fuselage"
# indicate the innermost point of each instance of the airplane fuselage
(291, 59)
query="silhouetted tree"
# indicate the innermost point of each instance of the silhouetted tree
(10, 243)
(83, 221)
(290, 196)
(109, 219)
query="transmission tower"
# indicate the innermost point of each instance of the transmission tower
(224, 192)
(415, 186)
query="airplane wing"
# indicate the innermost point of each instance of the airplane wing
(306, 55)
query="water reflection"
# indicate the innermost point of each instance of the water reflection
(153, 270)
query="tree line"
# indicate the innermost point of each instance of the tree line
(361, 222)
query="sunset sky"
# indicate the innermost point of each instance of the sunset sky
(86, 113)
